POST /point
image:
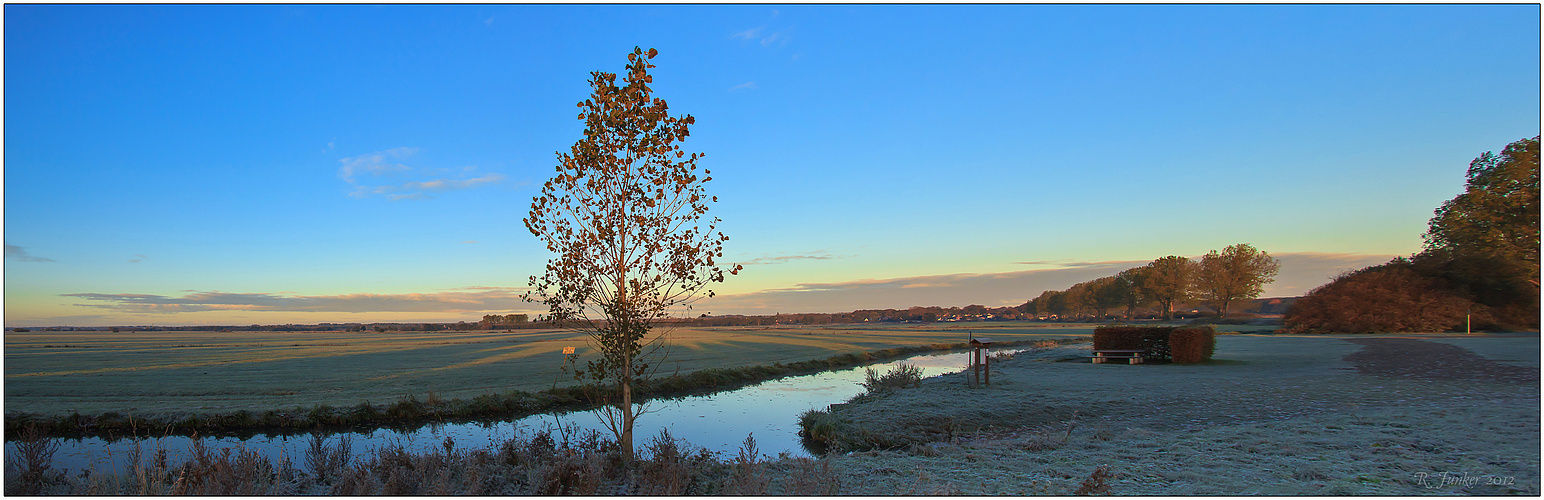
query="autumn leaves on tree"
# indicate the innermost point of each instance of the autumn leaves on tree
(1479, 268)
(626, 217)
(1221, 279)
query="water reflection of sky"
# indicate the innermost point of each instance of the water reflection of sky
(769, 411)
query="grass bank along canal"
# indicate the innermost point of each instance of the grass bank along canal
(713, 408)
(1415, 414)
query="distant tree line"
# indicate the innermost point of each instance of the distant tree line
(917, 314)
(1479, 263)
(1220, 279)
(492, 321)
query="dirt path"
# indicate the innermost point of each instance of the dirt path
(1420, 359)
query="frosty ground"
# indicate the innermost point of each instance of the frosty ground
(1273, 414)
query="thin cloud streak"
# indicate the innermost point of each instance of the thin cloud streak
(755, 34)
(374, 163)
(13, 252)
(389, 162)
(464, 300)
(1066, 264)
(749, 34)
(785, 258)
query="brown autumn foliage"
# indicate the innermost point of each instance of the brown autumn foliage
(1193, 345)
(1392, 297)
(1481, 259)
(626, 220)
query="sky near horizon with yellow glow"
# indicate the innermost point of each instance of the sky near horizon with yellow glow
(270, 164)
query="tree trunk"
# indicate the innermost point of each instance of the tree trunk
(626, 440)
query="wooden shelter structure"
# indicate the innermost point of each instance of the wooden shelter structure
(979, 348)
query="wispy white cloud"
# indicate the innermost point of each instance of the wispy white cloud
(759, 34)
(463, 300)
(138, 257)
(444, 184)
(469, 242)
(750, 34)
(1067, 264)
(13, 252)
(377, 163)
(389, 163)
(820, 255)
(744, 86)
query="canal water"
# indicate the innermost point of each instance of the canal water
(769, 411)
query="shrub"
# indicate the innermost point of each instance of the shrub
(328, 461)
(820, 426)
(1392, 297)
(1193, 345)
(899, 377)
(1153, 339)
(36, 457)
(1097, 482)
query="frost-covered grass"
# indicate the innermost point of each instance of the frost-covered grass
(158, 373)
(1275, 415)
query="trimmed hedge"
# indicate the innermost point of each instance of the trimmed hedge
(1153, 339)
(1193, 344)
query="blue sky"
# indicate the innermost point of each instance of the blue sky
(303, 163)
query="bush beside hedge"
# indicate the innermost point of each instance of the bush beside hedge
(1193, 344)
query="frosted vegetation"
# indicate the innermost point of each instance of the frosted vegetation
(1271, 414)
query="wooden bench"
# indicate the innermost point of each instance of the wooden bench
(1132, 356)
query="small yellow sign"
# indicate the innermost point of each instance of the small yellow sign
(568, 350)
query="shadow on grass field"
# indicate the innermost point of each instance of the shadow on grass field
(411, 413)
(155, 373)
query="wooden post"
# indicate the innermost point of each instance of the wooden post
(986, 356)
(975, 368)
(978, 357)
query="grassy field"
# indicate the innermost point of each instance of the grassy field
(153, 373)
(1273, 415)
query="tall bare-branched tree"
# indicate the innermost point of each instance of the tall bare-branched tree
(626, 216)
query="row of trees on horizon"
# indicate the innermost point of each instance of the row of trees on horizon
(1221, 279)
